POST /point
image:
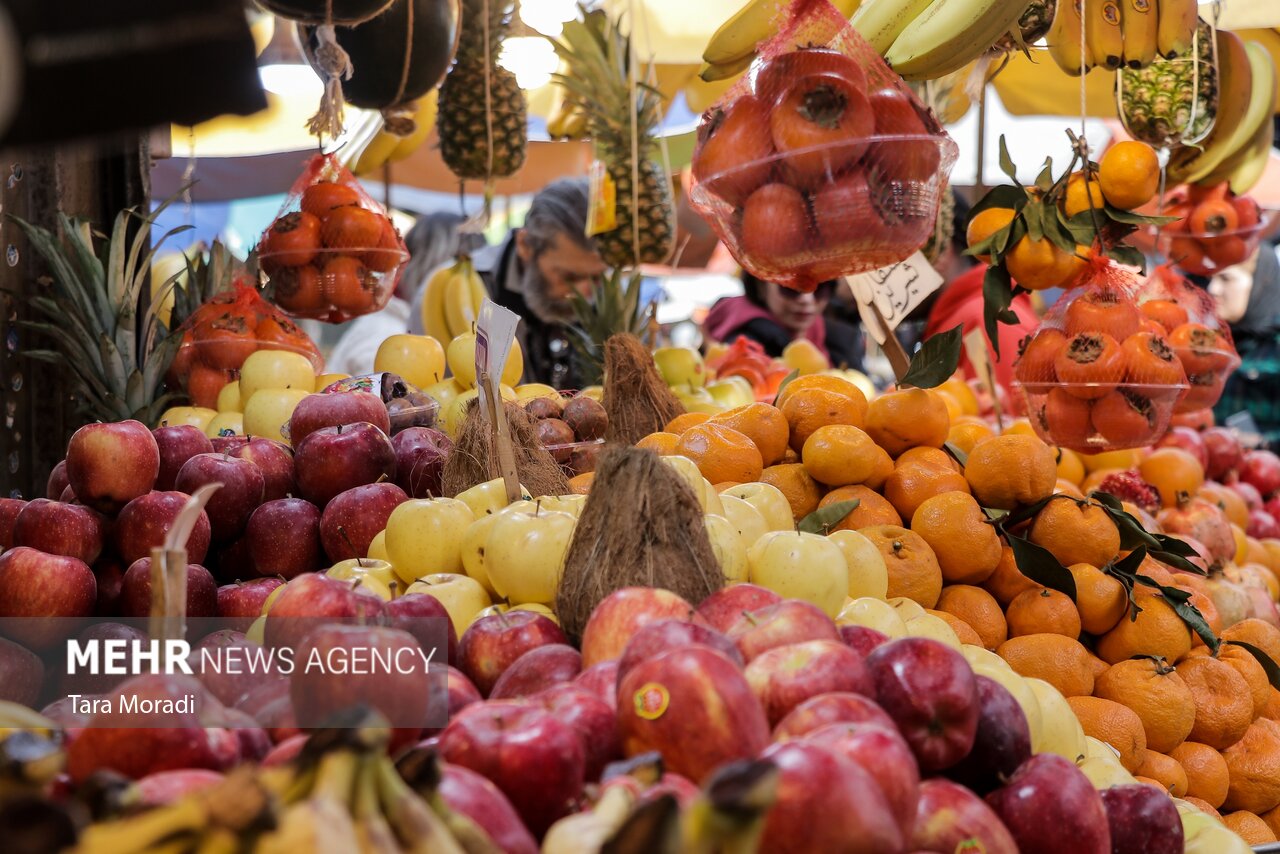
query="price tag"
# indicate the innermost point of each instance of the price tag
(602, 211)
(495, 331)
(896, 291)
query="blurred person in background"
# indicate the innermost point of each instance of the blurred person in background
(433, 242)
(1248, 298)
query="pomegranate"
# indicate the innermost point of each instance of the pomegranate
(1262, 469)
(1252, 497)
(1223, 451)
(1188, 440)
(1204, 521)
(1232, 600)
(1129, 486)
(1273, 506)
(1261, 606)
(1201, 556)
(1262, 525)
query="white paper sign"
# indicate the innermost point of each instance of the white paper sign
(895, 290)
(495, 332)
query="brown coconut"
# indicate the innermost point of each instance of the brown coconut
(642, 526)
(636, 398)
(474, 458)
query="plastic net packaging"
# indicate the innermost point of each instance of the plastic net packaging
(820, 162)
(1216, 229)
(1202, 342)
(222, 333)
(1099, 374)
(332, 253)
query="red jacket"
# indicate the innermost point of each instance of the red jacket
(961, 302)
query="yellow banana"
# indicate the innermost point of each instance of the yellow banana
(950, 35)
(590, 830)
(14, 716)
(880, 22)
(1176, 27)
(1102, 32)
(1250, 168)
(725, 70)
(1235, 86)
(1138, 26)
(424, 118)
(462, 300)
(737, 38)
(1261, 102)
(1064, 39)
(376, 153)
(433, 318)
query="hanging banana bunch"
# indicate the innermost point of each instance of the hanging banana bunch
(386, 147)
(1120, 33)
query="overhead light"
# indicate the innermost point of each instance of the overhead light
(531, 59)
(291, 80)
(548, 16)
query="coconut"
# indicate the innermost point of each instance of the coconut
(636, 398)
(474, 458)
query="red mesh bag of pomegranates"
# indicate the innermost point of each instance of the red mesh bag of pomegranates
(222, 333)
(1098, 374)
(331, 253)
(1202, 342)
(820, 162)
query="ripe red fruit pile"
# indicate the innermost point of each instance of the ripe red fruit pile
(332, 253)
(1202, 342)
(1216, 228)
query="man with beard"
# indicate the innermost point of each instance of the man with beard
(534, 273)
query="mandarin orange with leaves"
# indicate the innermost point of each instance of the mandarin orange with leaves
(979, 609)
(763, 424)
(844, 455)
(1156, 693)
(1253, 766)
(1206, 770)
(1043, 611)
(984, 224)
(1247, 666)
(1157, 630)
(1076, 532)
(911, 564)
(1061, 661)
(1006, 471)
(796, 485)
(908, 418)
(720, 453)
(1007, 581)
(872, 508)
(809, 409)
(968, 431)
(920, 477)
(826, 382)
(965, 543)
(1114, 724)
(1224, 705)
(1100, 598)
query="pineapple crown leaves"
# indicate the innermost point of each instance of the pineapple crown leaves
(91, 314)
(205, 276)
(615, 307)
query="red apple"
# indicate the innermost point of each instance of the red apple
(332, 460)
(466, 792)
(949, 817)
(494, 642)
(539, 669)
(790, 621)
(35, 586)
(21, 674)
(623, 613)
(1142, 820)
(929, 691)
(9, 510)
(285, 751)
(665, 635)
(1262, 525)
(82, 682)
(825, 802)
(353, 518)
(459, 693)
(283, 537)
(527, 752)
(229, 508)
(144, 522)
(590, 719)
(109, 465)
(231, 666)
(679, 787)
(108, 572)
(425, 618)
(317, 411)
(275, 461)
(227, 444)
(135, 591)
(240, 603)
(270, 705)
(311, 599)
(57, 481)
(785, 676)
(1262, 470)
(165, 787)
(177, 445)
(882, 753)
(602, 680)
(1187, 440)
(817, 712)
(694, 706)
(722, 608)
(420, 456)
(72, 530)
(1050, 807)
(863, 638)
(1223, 452)
(1002, 742)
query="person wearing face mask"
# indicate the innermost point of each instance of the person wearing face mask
(774, 316)
(535, 272)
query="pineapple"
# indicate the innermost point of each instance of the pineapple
(597, 58)
(466, 116)
(614, 308)
(1171, 100)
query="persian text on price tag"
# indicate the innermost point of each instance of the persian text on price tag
(895, 290)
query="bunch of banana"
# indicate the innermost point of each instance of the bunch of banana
(29, 761)
(15, 717)
(1117, 33)
(930, 39)
(386, 147)
(733, 46)
(452, 299)
(1242, 157)
(566, 119)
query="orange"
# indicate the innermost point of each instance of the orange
(1204, 806)
(986, 223)
(1272, 710)
(808, 409)
(965, 632)
(1166, 771)
(1070, 466)
(1097, 666)
(826, 382)
(1043, 611)
(1249, 826)
(1039, 264)
(962, 393)
(979, 609)
(1100, 598)
(1117, 725)
(872, 509)
(686, 420)
(1248, 668)
(1019, 427)
(800, 490)
(1272, 818)
(1202, 602)
(968, 431)
(1158, 630)
(721, 453)
(1076, 532)
(1005, 471)
(1066, 487)
(1259, 633)
(1129, 174)
(1174, 473)
(1158, 696)
(920, 478)
(1007, 581)
(1120, 460)
(1231, 502)
(1061, 661)
(908, 418)
(1253, 765)
(662, 444)
(954, 409)
(1206, 772)
(763, 424)
(841, 454)
(911, 564)
(581, 484)
(1082, 193)
(954, 526)
(1224, 704)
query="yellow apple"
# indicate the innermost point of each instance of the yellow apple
(456, 412)
(1016, 685)
(275, 369)
(801, 566)
(976, 655)
(747, 520)
(473, 549)
(378, 547)
(530, 391)
(524, 554)
(229, 398)
(767, 499)
(225, 424)
(571, 504)
(702, 489)
(1096, 749)
(681, 366)
(417, 358)
(267, 412)
(803, 355)
(1060, 730)
(500, 608)
(488, 497)
(537, 608)
(696, 400)
(323, 381)
(424, 536)
(444, 393)
(196, 416)
(257, 630)
(461, 356)
(1103, 774)
(908, 609)
(858, 378)
(374, 576)
(462, 596)
(727, 545)
(934, 628)
(874, 614)
(731, 392)
(868, 575)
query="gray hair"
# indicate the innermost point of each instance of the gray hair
(433, 242)
(559, 208)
